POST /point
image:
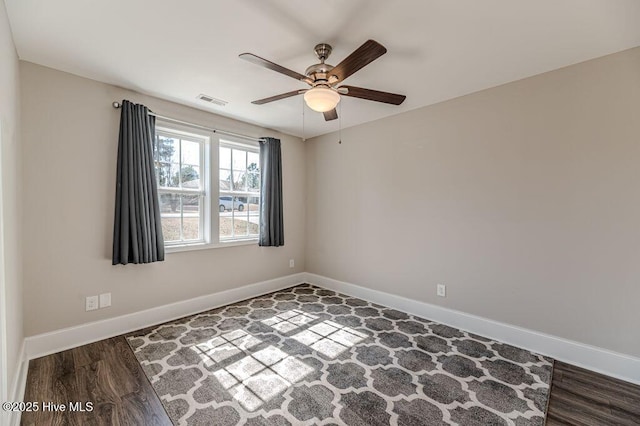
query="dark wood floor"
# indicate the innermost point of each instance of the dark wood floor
(108, 374)
(105, 373)
(582, 397)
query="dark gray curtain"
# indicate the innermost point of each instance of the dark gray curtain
(137, 231)
(271, 220)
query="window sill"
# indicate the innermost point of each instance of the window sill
(207, 246)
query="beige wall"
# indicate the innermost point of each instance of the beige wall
(11, 300)
(523, 199)
(70, 137)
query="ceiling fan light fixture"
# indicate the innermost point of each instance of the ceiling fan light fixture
(321, 99)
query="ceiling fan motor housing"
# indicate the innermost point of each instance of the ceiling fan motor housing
(323, 50)
(319, 73)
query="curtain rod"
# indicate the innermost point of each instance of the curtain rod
(210, 129)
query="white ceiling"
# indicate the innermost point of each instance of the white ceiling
(437, 49)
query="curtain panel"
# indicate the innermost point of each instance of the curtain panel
(271, 213)
(137, 231)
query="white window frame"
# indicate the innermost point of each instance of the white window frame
(210, 184)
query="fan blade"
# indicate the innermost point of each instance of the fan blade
(374, 95)
(278, 97)
(274, 67)
(362, 56)
(330, 115)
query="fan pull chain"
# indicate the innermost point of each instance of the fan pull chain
(304, 139)
(340, 125)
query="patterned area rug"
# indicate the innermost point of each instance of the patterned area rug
(309, 356)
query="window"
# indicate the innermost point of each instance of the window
(179, 173)
(239, 191)
(203, 205)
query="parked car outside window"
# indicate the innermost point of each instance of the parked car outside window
(226, 203)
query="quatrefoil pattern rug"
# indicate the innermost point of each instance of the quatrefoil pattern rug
(310, 356)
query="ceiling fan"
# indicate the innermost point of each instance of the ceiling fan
(324, 94)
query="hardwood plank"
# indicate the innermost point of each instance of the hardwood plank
(139, 403)
(555, 422)
(571, 408)
(50, 379)
(88, 354)
(621, 404)
(600, 382)
(627, 416)
(581, 391)
(105, 373)
(123, 366)
(583, 397)
(620, 394)
(144, 408)
(98, 385)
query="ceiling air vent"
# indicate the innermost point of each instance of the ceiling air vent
(212, 100)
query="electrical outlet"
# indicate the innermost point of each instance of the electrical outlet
(442, 290)
(91, 303)
(292, 263)
(105, 300)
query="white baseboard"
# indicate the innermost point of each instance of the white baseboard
(597, 359)
(71, 337)
(19, 386)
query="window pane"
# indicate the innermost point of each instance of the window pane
(242, 212)
(225, 180)
(191, 177)
(226, 225)
(169, 203)
(171, 229)
(254, 223)
(239, 160)
(239, 204)
(226, 216)
(225, 203)
(168, 175)
(253, 182)
(163, 171)
(191, 217)
(225, 158)
(170, 216)
(253, 161)
(240, 219)
(166, 149)
(190, 153)
(239, 181)
(253, 204)
(240, 227)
